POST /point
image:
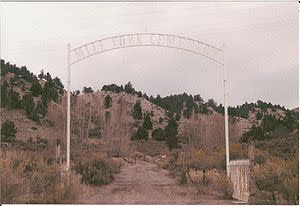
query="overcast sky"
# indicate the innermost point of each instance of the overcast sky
(261, 46)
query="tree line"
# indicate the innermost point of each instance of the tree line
(168, 134)
(176, 105)
(271, 127)
(11, 98)
(184, 104)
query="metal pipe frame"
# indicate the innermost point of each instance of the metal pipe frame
(146, 39)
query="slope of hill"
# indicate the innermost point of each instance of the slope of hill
(203, 119)
(121, 122)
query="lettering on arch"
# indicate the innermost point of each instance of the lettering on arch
(146, 39)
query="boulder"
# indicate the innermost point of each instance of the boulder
(137, 155)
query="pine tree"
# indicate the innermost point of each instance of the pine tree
(137, 110)
(8, 131)
(220, 109)
(147, 122)
(171, 128)
(14, 100)
(129, 89)
(28, 103)
(36, 89)
(58, 83)
(49, 92)
(158, 134)
(259, 115)
(107, 102)
(4, 94)
(141, 133)
(187, 113)
(178, 116)
(48, 77)
(4, 68)
(170, 133)
(59, 86)
(41, 108)
(42, 74)
(172, 141)
(145, 96)
(198, 98)
(211, 103)
(87, 90)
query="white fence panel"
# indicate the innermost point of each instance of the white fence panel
(239, 176)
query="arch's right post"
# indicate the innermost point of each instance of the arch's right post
(226, 114)
(68, 109)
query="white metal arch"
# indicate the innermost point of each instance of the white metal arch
(149, 40)
(146, 39)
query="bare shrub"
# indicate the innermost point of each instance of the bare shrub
(151, 147)
(199, 168)
(97, 171)
(27, 178)
(237, 151)
(163, 163)
(277, 181)
(177, 167)
(12, 182)
(84, 114)
(95, 133)
(193, 159)
(199, 180)
(70, 189)
(192, 133)
(260, 156)
(116, 135)
(225, 186)
(48, 186)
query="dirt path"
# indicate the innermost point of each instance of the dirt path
(144, 183)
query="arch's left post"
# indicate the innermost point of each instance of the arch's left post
(68, 109)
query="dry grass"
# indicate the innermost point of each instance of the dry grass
(201, 170)
(207, 131)
(277, 182)
(27, 178)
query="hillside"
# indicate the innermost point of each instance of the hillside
(46, 112)
(120, 124)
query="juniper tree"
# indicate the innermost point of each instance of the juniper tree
(14, 100)
(107, 102)
(141, 133)
(28, 103)
(42, 74)
(87, 90)
(170, 133)
(41, 108)
(4, 94)
(36, 89)
(147, 122)
(8, 131)
(128, 88)
(158, 134)
(137, 110)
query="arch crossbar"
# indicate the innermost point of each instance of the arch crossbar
(146, 40)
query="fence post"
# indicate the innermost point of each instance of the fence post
(57, 152)
(252, 185)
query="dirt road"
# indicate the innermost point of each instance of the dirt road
(145, 183)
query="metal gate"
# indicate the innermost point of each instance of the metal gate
(239, 176)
